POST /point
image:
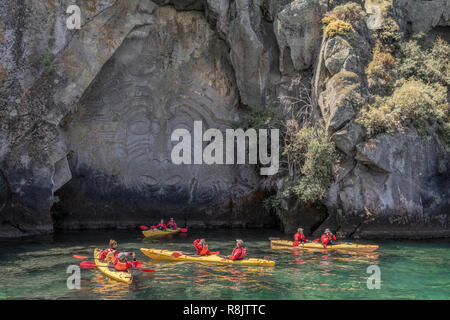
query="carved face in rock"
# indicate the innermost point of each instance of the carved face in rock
(123, 127)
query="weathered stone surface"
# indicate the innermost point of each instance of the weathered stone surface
(341, 100)
(218, 15)
(142, 94)
(249, 57)
(337, 51)
(398, 179)
(348, 137)
(298, 31)
(294, 214)
(91, 122)
(425, 15)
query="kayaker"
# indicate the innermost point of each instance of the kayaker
(239, 251)
(327, 238)
(161, 225)
(299, 237)
(171, 224)
(121, 263)
(111, 251)
(201, 247)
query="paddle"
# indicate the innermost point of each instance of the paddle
(143, 228)
(91, 265)
(183, 230)
(176, 254)
(80, 257)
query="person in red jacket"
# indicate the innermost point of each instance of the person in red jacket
(121, 263)
(327, 238)
(171, 224)
(201, 247)
(299, 237)
(161, 225)
(239, 251)
(111, 252)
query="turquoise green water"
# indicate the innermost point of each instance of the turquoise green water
(36, 269)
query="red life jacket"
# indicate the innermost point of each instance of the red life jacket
(172, 225)
(106, 251)
(161, 226)
(325, 239)
(121, 266)
(203, 251)
(238, 254)
(299, 238)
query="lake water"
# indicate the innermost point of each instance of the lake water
(35, 268)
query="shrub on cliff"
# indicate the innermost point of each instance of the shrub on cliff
(350, 12)
(380, 71)
(343, 19)
(389, 33)
(429, 64)
(316, 156)
(413, 104)
(337, 28)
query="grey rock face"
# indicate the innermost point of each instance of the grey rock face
(298, 31)
(341, 100)
(249, 57)
(87, 115)
(163, 77)
(398, 179)
(425, 15)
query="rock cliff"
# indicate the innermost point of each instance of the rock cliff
(86, 116)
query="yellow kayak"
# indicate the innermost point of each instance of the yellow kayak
(154, 233)
(179, 256)
(106, 269)
(283, 244)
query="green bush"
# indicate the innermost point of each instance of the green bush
(343, 19)
(317, 154)
(389, 33)
(426, 64)
(46, 61)
(258, 119)
(337, 27)
(380, 71)
(413, 104)
(350, 12)
(444, 132)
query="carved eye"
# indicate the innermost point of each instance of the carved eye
(149, 180)
(173, 181)
(140, 127)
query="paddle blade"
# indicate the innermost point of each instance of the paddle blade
(144, 228)
(315, 240)
(87, 265)
(146, 270)
(138, 264)
(214, 253)
(80, 257)
(176, 254)
(183, 230)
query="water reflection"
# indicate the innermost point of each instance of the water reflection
(33, 270)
